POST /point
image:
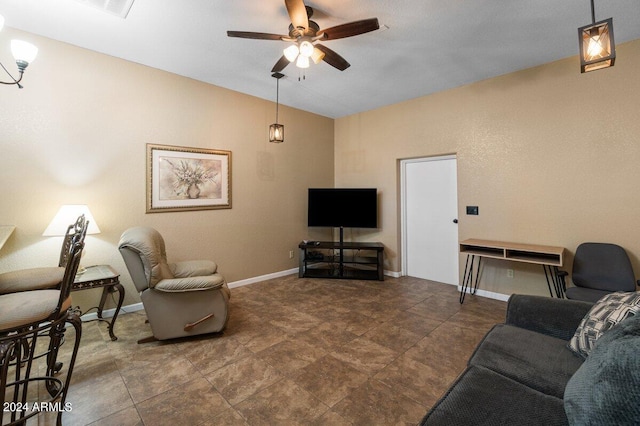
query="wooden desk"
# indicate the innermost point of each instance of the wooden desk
(550, 257)
(107, 278)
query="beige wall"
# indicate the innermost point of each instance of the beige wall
(532, 152)
(550, 156)
(77, 133)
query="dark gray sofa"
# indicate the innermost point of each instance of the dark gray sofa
(518, 373)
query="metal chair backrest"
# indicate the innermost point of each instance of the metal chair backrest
(70, 270)
(78, 228)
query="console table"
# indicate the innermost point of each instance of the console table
(549, 257)
(107, 278)
(327, 259)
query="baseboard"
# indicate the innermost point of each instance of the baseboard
(262, 278)
(108, 313)
(488, 294)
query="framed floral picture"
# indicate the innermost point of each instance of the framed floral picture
(180, 179)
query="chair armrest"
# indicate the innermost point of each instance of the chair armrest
(193, 268)
(181, 285)
(553, 317)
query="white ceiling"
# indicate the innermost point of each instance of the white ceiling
(429, 46)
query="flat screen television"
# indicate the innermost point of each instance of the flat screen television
(343, 207)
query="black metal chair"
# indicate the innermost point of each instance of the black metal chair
(26, 317)
(44, 277)
(599, 269)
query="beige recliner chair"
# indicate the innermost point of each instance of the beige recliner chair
(181, 299)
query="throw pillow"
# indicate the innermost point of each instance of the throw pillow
(606, 313)
(605, 390)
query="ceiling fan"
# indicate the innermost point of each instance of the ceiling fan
(305, 35)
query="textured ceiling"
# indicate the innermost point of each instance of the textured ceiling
(429, 45)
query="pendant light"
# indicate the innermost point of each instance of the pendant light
(597, 48)
(276, 131)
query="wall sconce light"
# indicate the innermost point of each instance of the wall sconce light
(276, 131)
(597, 47)
(24, 53)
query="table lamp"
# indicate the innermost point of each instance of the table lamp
(67, 215)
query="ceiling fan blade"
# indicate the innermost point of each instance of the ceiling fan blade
(297, 13)
(256, 36)
(281, 64)
(351, 29)
(333, 59)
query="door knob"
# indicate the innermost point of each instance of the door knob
(455, 220)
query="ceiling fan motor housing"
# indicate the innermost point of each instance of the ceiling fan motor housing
(300, 32)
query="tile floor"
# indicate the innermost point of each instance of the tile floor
(295, 351)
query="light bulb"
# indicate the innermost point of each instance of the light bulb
(306, 48)
(594, 50)
(302, 62)
(291, 53)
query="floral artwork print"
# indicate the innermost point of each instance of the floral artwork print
(181, 178)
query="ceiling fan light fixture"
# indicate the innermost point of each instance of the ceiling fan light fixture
(317, 56)
(302, 62)
(306, 48)
(291, 52)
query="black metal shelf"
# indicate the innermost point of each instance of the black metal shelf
(328, 260)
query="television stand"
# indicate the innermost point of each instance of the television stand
(340, 260)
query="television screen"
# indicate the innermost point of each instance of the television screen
(343, 207)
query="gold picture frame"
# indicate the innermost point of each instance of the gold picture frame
(183, 179)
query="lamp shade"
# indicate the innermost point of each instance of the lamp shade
(317, 55)
(597, 47)
(67, 215)
(23, 51)
(291, 53)
(302, 61)
(306, 48)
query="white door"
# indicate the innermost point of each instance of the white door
(430, 210)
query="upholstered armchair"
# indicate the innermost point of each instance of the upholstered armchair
(181, 299)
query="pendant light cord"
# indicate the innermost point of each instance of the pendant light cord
(278, 97)
(593, 13)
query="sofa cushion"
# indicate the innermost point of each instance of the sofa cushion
(606, 313)
(536, 360)
(483, 397)
(606, 388)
